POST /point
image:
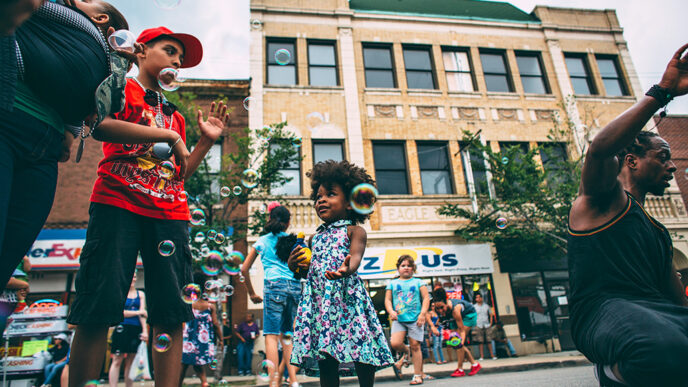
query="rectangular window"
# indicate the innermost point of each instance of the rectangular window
(323, 151)
(579, 74)
(379, 71)
(292, 170)
(390, 168)
(474, 171)
(322, 64)
(281, 69)
(418, 65)
(435, 173)
(611, 76)
(532, 76)
(553, 155)
(457, 66)
(496, 72)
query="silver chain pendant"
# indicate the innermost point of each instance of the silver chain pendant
(80, 150)
(160, 120)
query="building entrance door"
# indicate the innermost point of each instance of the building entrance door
(557, 283)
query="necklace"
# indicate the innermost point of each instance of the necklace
(159, 115)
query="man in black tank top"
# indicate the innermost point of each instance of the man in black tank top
(629, 314)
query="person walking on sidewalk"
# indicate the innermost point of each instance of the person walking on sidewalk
(246, 332)
(436, 338)
(459, 316)
(406, 301)
(629, 312)
(482, 328)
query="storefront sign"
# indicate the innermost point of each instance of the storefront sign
(23, 365)
(41, 310)
(36, 328)
(439, 260)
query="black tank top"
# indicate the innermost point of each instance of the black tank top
(628, 257)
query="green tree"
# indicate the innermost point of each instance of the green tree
(223, 194)
(526, 213)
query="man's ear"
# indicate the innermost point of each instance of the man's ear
(101, 19)
(631, 161)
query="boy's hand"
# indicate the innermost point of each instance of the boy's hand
(421, 320)
(181, 155)
(393, 315)
(435, 331)
(297, 260)
(66, 146)
(343, 271)
(217, 119)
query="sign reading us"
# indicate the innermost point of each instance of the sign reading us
(432, 261)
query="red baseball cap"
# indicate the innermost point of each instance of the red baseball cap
(193, 50)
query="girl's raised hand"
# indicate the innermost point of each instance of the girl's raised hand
(343, 271)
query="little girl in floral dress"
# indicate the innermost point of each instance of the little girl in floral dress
(336, 321)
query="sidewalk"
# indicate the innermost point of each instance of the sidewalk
(538, 361)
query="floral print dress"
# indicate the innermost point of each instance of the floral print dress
(199, 339)
(336, 317)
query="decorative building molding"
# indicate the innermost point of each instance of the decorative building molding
(507, 114)
(427, 112)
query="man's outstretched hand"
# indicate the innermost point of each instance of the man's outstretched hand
(675, 76)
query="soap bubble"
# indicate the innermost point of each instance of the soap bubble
(183, 196)
(230, 267)
(213, 364)
(122, 40)
(197, 217)
(225, 191)
(162, 342)
(219, 238)
(162, 150)
(248, 101)
(169, 79)
(236, 190)
(190, 293)
(282, 56)
(505, 160)
(249, 178)
(166, 248)
(212, 234)
(167, 4)
(264, 134)
(263, 208)
(236, 256)
(92, 383)
(167, 169)
(119, 329)
(229, 290)
(241, 278)
(266, 369)
(501, 223)
(213, 263)
(200, 237)
(287, 338)
(685, 173)
(255, 24)
(296, 142)
(314, 119)
(363, 198)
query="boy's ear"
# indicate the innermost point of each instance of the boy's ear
(101, 19)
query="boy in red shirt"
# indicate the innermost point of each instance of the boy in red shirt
(138, 202)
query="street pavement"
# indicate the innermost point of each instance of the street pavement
(580, 376)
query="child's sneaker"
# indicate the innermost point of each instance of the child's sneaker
(458, 373)
(474, 369)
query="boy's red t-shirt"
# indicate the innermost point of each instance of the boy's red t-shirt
(130, 177)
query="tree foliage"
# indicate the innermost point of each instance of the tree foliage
(531, 190)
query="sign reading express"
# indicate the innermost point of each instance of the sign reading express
(432, 261)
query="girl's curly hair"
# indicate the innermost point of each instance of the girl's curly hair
(347, 176)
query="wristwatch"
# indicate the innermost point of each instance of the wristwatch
(660, 94)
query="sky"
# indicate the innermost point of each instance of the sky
(653, 30)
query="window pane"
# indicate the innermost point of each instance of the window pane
(533, 85)
(580, 86)
(321, 54)
(322, 76)
(459, 82)
(479, 173)
(274, 46)
(576, 67)
(379, 78)
(450, 61)
(391, 182)
(435, 182)
(528, 65)
(531, 305)
(497, 83)
(612, 87)
(433, 156)
(607, 68)
(281, 75)
(417, 60)
(389, 156)
(377, 57)
(419, 80)
(292, 187)
(493, 63)
(323, 152)
(214, 158)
